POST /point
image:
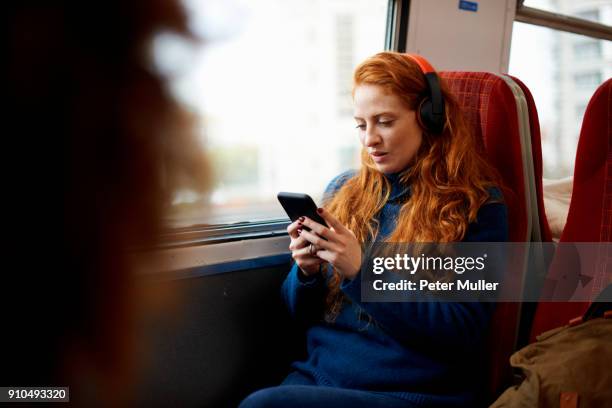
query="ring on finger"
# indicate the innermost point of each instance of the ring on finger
(312, 249)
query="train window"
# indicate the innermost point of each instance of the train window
(274, 96)
(587, 10)
(562, 70)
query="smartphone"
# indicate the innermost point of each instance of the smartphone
(298, 205)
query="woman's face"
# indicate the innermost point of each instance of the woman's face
(387, 128)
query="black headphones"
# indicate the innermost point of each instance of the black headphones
(430, 115)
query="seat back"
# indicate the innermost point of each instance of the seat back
(590, 213)
(536, 150)
(491, 108)
(540, 258)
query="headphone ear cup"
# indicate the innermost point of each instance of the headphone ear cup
(424, 114)
(427, 119)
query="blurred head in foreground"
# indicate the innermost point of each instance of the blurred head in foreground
(102, 147)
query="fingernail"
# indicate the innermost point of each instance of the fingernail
(301, 219)
(320, 210)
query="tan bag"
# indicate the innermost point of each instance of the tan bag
(567, 367)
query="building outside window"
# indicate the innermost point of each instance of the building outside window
(562, 70)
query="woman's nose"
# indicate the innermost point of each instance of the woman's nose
(372, 138)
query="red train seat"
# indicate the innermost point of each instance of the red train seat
(590, 212)
(491, 108)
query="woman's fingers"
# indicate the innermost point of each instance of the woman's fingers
(331, 220)
(320, 230)
(327, 256)
(298, 243)
(305, 252)
(316, 240)
(340, 248)
(292, 229)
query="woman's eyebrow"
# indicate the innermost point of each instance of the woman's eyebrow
(384, 113)
(376, 116)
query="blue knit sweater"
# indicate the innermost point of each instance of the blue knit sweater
(425, 352)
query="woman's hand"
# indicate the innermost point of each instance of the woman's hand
(341, 249)
(301, 250)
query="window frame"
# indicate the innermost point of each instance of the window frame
(182, 237)
(561, 22)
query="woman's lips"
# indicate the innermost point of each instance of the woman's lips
(378, 156)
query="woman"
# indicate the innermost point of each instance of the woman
(414, 186)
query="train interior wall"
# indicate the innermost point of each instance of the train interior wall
(226, 335)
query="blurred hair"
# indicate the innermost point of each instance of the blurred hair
(102, 147)
(449, 176)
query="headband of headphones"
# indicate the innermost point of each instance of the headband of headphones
(431, 109)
